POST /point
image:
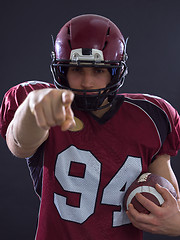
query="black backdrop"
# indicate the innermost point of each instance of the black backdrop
(25, 45)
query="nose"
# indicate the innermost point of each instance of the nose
(87, 80)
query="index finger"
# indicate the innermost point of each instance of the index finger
(69, 120)
(166, 194)
(148, 204)
(67, 97)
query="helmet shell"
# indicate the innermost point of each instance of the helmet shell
(92, 32)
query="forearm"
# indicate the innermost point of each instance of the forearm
(41, 110)
(162, 167)
(24, 136)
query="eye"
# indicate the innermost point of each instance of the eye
(75, 69)
(99, 70)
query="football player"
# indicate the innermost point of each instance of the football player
(85, 143)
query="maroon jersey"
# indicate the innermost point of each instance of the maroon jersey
(81, 177)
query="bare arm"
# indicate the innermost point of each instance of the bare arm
(41, 110)
(162, 167)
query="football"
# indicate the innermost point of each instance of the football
(145, 184)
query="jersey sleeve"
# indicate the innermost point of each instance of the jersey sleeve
(12, 100)
(171, 145)
(171, 135)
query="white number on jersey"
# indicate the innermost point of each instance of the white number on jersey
(89, 184)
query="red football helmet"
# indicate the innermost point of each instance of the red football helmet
(90, 41)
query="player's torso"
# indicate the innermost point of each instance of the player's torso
(86, 174)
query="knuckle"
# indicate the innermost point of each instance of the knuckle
(51, 93)
(35, 109)
(59, 119)
(51, 123)
(162, 213)
(43, 125)
(46, 99)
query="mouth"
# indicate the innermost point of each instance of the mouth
(87, 92)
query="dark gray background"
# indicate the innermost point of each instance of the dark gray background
(26, 27)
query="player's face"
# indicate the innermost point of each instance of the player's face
(88, 78)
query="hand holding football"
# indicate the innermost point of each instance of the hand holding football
(145, 184)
